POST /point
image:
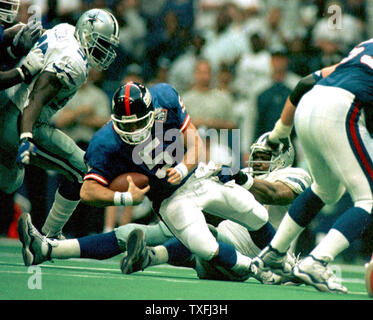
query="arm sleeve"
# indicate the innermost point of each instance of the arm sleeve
(303, 86)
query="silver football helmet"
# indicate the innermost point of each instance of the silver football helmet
(8, 10)
(283, 157)
(97, 30)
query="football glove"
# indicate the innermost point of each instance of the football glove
(26, 149)
(31, 65)
(25, 39)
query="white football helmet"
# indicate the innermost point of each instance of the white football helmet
(283, 157)
(8, 10)
(97, 31)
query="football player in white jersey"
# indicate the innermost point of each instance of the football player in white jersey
(68, 52)
(278, 185)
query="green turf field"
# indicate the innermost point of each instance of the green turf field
(101, 280)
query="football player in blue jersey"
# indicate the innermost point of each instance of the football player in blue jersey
(16, 42)
(333, 115)
(28, 136)
(151, 133)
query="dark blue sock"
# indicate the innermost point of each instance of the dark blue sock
(305, 207)
(178, 254)
(352, 223)
(263, 236)
(227, 256)
(99, 246)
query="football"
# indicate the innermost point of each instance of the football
(120, 183)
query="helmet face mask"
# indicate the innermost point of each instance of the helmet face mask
(98, 33)
(133, 114)
(134, 130)
(8, 10)
(263, 160)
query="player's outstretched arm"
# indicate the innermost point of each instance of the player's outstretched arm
(97, 195)
(272, 193)
(265, 192)
(45, 89)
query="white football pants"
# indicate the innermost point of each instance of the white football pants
(330, 125)
(182, 212)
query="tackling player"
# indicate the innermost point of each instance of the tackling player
(333, 117)
(68, 51)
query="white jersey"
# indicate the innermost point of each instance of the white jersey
(63, 57)
(295, 178)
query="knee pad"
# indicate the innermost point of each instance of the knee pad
(202, 246)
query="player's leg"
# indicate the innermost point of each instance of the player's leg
(232, 202)
(56, 151)
(140, 256)
(11, 176)
(355, 160)
(99, 246)
(186, 221)
(326, 187)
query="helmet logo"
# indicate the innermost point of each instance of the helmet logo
(147, 98)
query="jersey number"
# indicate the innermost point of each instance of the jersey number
(162, 157)
(365, 59)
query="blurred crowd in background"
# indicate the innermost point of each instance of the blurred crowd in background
(233, 62)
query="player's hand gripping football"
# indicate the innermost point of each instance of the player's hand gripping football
(138, 194)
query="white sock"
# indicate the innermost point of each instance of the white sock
(286, 233)
(332, 245)
(242, 265)
(65, 249)
(60, 213)
(158, 255)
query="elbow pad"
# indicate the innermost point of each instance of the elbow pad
(303, 86)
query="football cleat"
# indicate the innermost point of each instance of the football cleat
(32, 242)
(315, 272)
(57, 236)
(137, 257)
(369, 278)
(272, 260)
(265, 277)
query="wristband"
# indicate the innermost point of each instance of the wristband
(182, 169)
(21, 73)
(123, 199)
(279, 131)
(249, 183)
(27, 75)
(27, 135)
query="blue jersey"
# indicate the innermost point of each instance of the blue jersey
(355, 73)
(108, 156)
